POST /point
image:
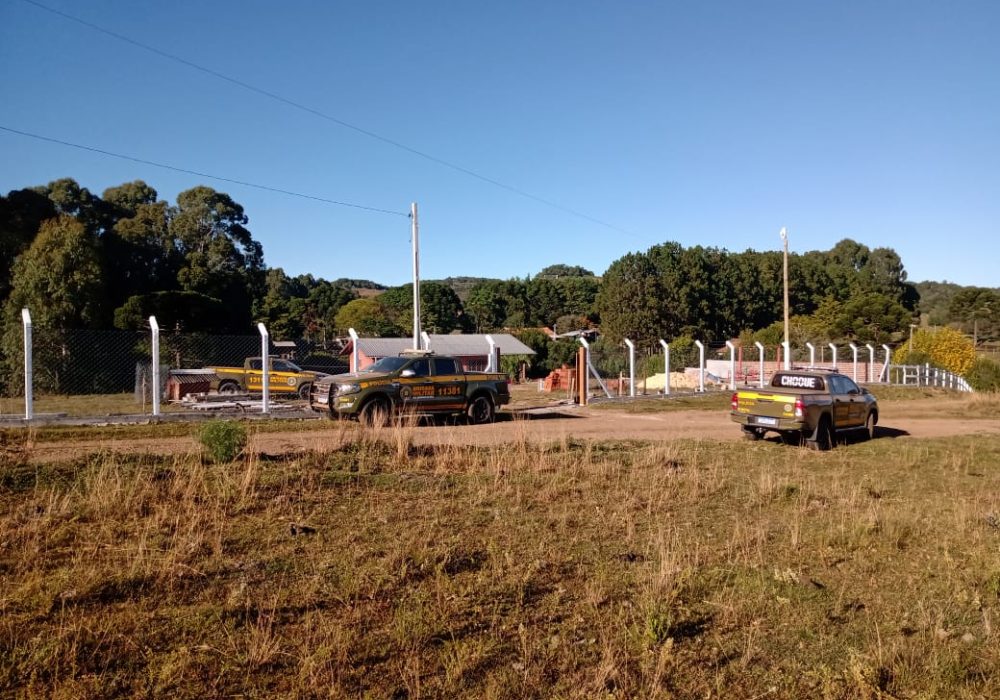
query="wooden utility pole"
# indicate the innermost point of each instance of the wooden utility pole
(415, 234)
(788, 354)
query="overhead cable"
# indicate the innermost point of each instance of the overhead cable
(322, 115)
(188, 171)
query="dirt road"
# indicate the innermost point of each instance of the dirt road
(549, 425)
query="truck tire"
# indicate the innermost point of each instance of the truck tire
(481, 410)
(870, 423)
(228, 386)
(375, 413)
(791, 437)
(304, 391)
(822, 437)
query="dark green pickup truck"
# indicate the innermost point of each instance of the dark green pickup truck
(806, 405)
(415, 382)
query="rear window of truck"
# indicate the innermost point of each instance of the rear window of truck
(784, 380)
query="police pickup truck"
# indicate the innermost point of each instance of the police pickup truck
(417, 381)
(809, 406)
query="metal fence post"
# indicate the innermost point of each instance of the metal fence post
(666, 367)
(701, 365)
(265, 366)
(29, 399)
(732, 365)
(885, 369)
(871, 362)
(812, 354)
(155, 329)
(631, 367)
(854, 351)
(427, 340)
(760, 355)
(492, 365)
(788, 354)
(833, 349)
(355, 353)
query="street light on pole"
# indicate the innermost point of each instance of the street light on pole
(784, 239)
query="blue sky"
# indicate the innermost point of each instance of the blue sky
(711, 122)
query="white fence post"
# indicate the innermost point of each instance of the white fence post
(871, 362)
(885, 368)
(29, 398)
(494, 363)
(701, 365)
(631, 367)
(155, 329)
(812, 354)
(833, 349)
(265, 367)
(732, 365)
(760, 355)
(666, 367)
(854, 352)
(355, 353)
(788, 354)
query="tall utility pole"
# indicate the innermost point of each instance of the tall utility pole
(415, 234)
(787, 358)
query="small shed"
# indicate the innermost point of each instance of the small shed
(471, 350)
(182, 382)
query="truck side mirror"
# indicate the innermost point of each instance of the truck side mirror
(407, 373)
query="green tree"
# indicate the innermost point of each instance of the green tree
(219, 256)
(559, 271)
(59, 277)
(368, 317)
(631, 301)
(21, 214)
(872, 317)
(440, 308)
(977, 310)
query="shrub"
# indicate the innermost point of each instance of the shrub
(947, 348)
(984, 375)
(223, 439)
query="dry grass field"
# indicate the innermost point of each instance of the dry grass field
(382, 569)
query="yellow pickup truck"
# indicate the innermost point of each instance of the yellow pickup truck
(809, 406)
(285, 378)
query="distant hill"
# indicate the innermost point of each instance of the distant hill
(935, 298)
(464, 285)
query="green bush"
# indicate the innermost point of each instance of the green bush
(984, 375)
(223, 439)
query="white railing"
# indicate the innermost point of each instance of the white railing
(925, 375)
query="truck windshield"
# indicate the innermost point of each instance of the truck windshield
(387, 364)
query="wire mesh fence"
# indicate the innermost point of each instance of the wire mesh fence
(90, 373)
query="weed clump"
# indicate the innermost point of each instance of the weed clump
(224, 440)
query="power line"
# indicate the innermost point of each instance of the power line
(322, 115)
(244, 183)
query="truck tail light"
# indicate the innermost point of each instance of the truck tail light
(735, 403)
(800, 409)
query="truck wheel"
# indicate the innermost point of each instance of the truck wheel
(752, 434)
(870, 425)
(481, 410)
(791, 437)
(822, 437)
(375, 413)
(304, 391)
(229, 387)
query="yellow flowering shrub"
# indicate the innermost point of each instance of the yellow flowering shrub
(946, 348)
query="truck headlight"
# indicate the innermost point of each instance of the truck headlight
(348, 388)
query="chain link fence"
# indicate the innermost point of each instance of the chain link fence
(89, 373)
